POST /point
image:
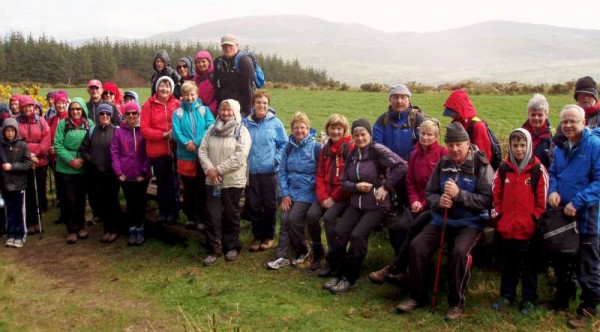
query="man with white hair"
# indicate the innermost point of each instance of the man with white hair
(575, 185)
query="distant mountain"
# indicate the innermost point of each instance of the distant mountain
(354, 53)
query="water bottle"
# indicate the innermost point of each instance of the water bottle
(217, 190)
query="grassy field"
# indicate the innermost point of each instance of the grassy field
(162, 286)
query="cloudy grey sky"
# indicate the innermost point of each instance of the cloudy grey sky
(72, 19)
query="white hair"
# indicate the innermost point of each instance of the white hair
(577, 108)
(538, 102)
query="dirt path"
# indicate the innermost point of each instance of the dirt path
(49, 285)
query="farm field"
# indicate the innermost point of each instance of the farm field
(162, 286)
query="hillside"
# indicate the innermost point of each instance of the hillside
(354, 53)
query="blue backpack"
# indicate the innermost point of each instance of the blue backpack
(259, 75)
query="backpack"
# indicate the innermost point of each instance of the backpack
(535, 173)
(559, 232)
(259, 75)
(412, 121)
(496, 157)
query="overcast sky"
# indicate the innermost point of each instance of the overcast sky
(74, 19)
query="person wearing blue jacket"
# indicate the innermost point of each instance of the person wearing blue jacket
(269, 139)
(190, 122)
(297, 181)
(575, 184)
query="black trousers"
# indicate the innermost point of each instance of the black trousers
(261, 205)
(135, 198)
(519, 262)
(106, 187)
(354, 227)
(460, 243)
(72, 200)
(223, 220)
(405, 235)
(330, 216)
(167, 186)
(194, 195)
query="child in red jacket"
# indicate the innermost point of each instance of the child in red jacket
(519, 190)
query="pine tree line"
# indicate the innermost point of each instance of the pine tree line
(46, 60)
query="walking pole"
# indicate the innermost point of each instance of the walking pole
(51, 185)
(37, 204)
(439, 261)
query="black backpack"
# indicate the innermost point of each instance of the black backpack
(559, 232)
(496, 157)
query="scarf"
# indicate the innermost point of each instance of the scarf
(592, 110)
(224, 128)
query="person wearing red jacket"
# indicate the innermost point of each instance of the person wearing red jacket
(156, 128)
(460, 108)
(423, 159)
(34, 130)
(518, 206)
(331, 199)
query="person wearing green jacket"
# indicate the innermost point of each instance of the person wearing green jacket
(70, 168)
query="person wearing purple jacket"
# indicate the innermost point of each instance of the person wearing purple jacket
(370, 174)
(131, 164)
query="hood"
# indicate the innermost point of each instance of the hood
(163, 55)
(10, 122)
(190, 63)
(16, 97)
(134, 95)
(4, 108)
(205, 55)
(235, 106)
(81, 102)
(528, 152)
(460, 102)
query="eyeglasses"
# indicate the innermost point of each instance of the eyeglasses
(104, 114)
(131, 113)
(182, 66)
(108, 93)
(76, 108)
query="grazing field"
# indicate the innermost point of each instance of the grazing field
(90, 286)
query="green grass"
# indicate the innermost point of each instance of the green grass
(164, 287)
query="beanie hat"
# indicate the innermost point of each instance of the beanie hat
(362, 123)
(131, 106)
(587, 85)
(51, 94)
(104, 107)
(400, 89)
(168, 79)
(61, 97)
(455, 132)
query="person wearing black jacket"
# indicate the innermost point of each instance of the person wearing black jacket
(232, 83)
(95, 150)
(95, 91)
(162, 67)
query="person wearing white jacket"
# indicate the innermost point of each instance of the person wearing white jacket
(223, 155)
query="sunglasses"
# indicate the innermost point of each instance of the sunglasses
(104, 114)
(105, 93)
(76, 108)
(131, 113)
(182, 66)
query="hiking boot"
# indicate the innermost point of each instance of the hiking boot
(378, 277)
(278, 263)
(31, 230)
(454, 313)
(209, 260)
(526, 307)
(580, 322)
(407, 305)
(325, 271)
(231, 255)
(18, 243)
(255, 246)
(139, 237)
(266, 244)
(316, 259)
(112, 237)
(10, 242)
(71, 238)
(300, 259)
(132, 236)
(190, 224)
(82, 234)
(343, 286)
(331, 282)
(104, 238)
(397, 278)
(501, 303)
(201, 227)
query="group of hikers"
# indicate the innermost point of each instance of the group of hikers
(207, 130)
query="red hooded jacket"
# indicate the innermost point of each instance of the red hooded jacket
(420, 167)
(155, 121)
(35, 131)
(460, 102)
(330, 169)
(515, 202)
